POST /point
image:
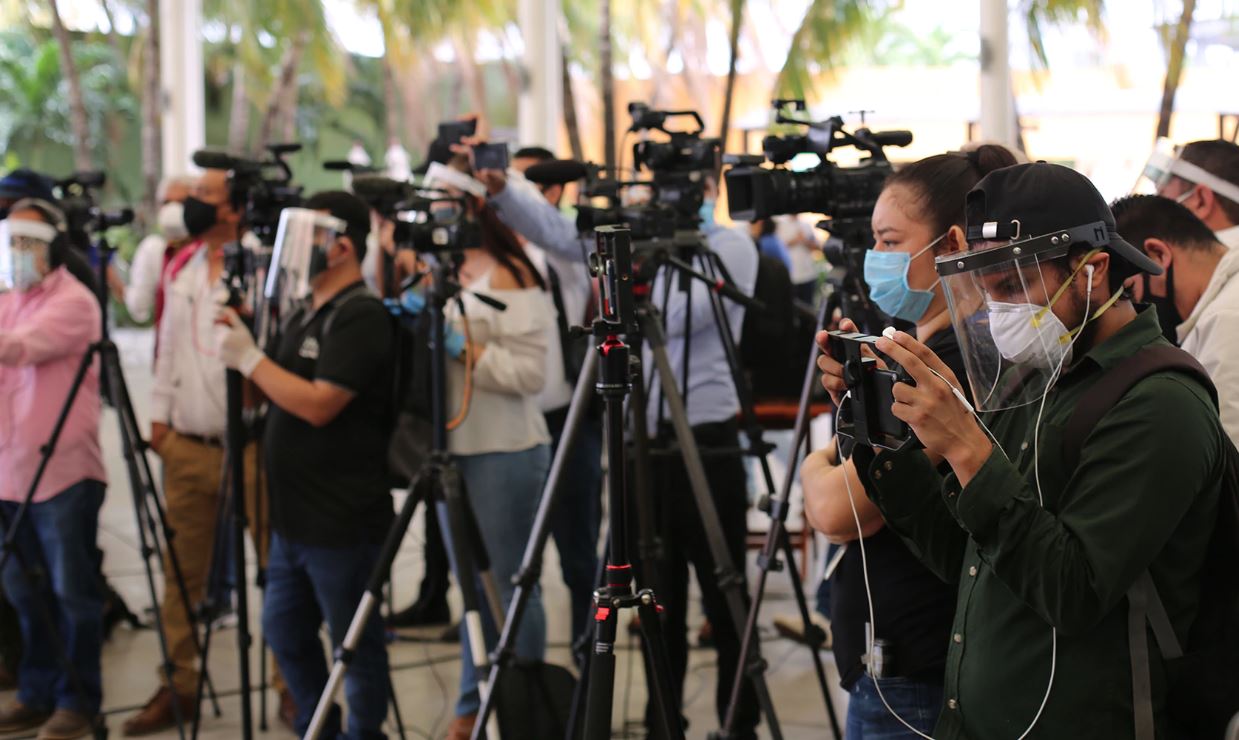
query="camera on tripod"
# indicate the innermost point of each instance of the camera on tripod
(755, 192)
(82, 213)
(259, 188)
(868, 419)
(427, 220)
(678, 168)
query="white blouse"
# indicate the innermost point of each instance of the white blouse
(503, 413)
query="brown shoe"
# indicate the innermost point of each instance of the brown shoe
(288, 710)
(158, 714)
(66, 724)
(462, 727)
(15, 717)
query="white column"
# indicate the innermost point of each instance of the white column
(997, 109)
(180, 58)
(540, 112)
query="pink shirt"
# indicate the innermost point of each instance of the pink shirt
(44, 333)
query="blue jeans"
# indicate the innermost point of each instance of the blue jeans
(503, 489)
(57, 543)
(305, 585)
(917, 702)
(577, 517)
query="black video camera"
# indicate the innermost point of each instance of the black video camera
(868, 419)
(82, 214)
(260, 189)
(756, 192)
(427, 220)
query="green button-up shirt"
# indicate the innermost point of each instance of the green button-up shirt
(1144, 496)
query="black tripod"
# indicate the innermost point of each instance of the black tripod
(437, 483)
(148, 509)
(851, 297)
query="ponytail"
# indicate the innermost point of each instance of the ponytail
(940, 184)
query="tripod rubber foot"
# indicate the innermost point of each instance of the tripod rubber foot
(773, 565)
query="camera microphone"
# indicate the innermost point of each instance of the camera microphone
(208, 159)
(339, 165)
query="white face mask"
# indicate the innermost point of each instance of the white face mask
(1028, 333)
(172, 220)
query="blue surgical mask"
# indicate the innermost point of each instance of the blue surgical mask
(706, 212)
(886, 273)
(26, 273)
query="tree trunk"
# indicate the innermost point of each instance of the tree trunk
(607, 82)
(239, 111)
(292, 96)
(1177, 48)
(279, 97)
(111, 36)
(733, 49)
(77, 107)
(391, 104)
(152, 112)
(420, 106)
(570, 120)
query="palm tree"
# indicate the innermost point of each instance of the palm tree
(152, 115)
(733, 49)
(1176, 39)
(826, 30)
(29, 78)
(82, 159)
(606, 81)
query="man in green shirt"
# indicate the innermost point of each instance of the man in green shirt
(1044, 555)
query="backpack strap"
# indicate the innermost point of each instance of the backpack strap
(1114, 384)
(1144, 604)
(357, 291)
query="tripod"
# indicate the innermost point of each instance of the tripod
(148, 509)
(852, 298)
(437, 483)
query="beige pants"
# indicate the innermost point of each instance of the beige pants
(193, 474)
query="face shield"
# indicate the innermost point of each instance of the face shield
(301, 244)
(1001, 296)
(1164, 165)
(25, 252)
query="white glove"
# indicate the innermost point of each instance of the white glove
(235, 344)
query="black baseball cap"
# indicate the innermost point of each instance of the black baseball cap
(1027, 201)
(350, 209)
(26, 183)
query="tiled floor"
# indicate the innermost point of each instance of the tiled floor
(425, 674)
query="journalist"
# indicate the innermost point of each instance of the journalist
(48, 322)
(576, 520)
(144, 294)
(712, 409)
(188, 431)
(501, 446)
(23, 183)
(1199, 288)
(1045, 553)
(328, 380)
(918, 216)
(1208, 186)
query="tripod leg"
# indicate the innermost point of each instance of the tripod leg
(395, 708)
(599, 699)
(460, 529)
(531, 565)
(370, 601)
(665, 700)
(730, 580)
(111, 370)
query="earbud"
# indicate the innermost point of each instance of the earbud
(889, 332)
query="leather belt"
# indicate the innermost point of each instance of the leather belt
(205, 441)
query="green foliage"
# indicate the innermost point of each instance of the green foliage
(828, 29)
(1041, 13)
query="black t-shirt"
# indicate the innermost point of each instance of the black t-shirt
(914, 608)
(329, 485)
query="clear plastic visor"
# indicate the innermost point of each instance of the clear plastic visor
(301, 234)
(1009, 337)
(23, 241)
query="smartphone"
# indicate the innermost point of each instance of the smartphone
(451, 132)
(490, 156)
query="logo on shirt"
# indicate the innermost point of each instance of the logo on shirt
(309, 348)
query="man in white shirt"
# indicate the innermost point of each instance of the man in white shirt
(1200, 280)
(154, 250)
(1215, 199)
(188, 427)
